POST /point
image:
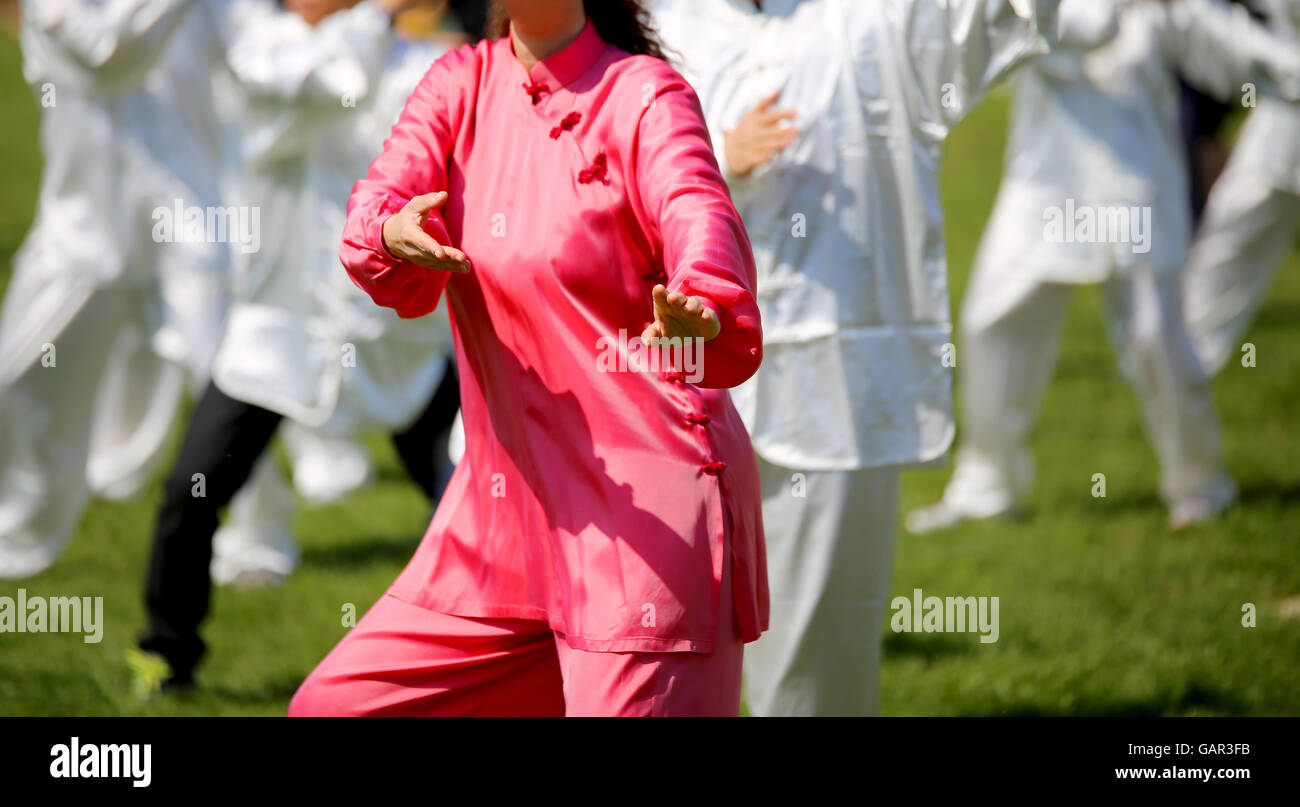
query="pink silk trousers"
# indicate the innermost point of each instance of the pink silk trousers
(401, 659)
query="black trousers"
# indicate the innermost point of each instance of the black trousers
(223, 442)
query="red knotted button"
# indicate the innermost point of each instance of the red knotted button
(698, 419)
(713, 468)
(596, 171)
(535, 91)
(570, 120)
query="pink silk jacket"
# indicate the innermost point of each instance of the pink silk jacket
(592, 490)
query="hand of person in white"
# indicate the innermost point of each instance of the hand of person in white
(759, 136)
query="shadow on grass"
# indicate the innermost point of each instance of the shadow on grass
(1127, 502)
(1280, 314)
(1268, 491)
(276, 691)
(364, 552)
(929, 646)
(1191, 696)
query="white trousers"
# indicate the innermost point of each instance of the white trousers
(1247, 230)
(1006, 360)
(830, 552)
(89, 415)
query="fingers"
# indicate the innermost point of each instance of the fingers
(673, 302)
(426, 202)
(768, 145)
(405, 237)
(778, 133)
(680, 315)
(661, 308)
(775, 117)
(763, 105)
(780, 136)
(456, 256)
(766, 116)
(429, 253)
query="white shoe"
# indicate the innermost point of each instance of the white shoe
(256, 578)
(941, 515)
(249, 559)
(937, 516)
(327, 468)
(1194, 510)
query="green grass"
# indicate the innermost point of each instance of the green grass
(1103, 611)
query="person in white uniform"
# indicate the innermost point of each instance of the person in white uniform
(85, 400)
(1095, 192)
(1252, 218)
(390, 368)
(319, 87)
(829, 118)
(108, 284)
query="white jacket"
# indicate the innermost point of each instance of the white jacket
(399, 362)
(86, 62)
(846, 223)
(316, 105)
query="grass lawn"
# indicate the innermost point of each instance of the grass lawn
(1102, 610)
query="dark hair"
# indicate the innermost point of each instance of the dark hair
(625, 24)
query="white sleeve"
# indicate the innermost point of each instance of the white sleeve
(955, 50)
(1081, 26)
(1220, 48)
(120, 40)
(1084, 25)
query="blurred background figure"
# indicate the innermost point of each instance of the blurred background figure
(316, 89)
(828, 117)
(254, 545)
(1251, 218)
(1094, 134)
(113, 309)
(85, 400)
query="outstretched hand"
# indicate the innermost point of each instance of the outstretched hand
(677, 315)
(406, 238)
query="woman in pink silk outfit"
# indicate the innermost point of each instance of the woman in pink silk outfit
(600, 547)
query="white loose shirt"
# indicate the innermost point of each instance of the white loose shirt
(315, 106)
(846, 223)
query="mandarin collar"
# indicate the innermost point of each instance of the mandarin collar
(567, 66)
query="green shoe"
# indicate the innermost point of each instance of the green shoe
(151, 675)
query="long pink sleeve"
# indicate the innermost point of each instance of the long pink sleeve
(414, 162)
(706, 250)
